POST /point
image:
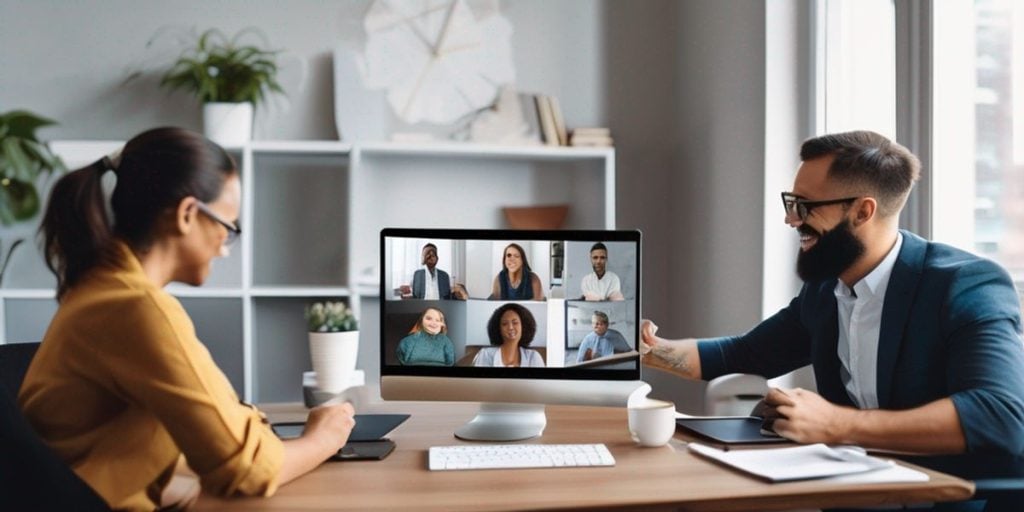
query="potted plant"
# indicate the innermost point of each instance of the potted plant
(333, 344)
(230, 79)
(23, 159)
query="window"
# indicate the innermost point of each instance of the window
(857, 55)
(978, 120)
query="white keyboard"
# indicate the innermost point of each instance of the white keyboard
(509, 456)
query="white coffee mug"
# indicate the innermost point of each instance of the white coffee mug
(652, 422)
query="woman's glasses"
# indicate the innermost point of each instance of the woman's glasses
(234, 231)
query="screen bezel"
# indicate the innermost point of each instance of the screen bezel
(510, 234)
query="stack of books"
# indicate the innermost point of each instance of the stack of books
(552, 125)
(591, 137)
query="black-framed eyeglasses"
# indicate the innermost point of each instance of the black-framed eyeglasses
(801, 208)
(234, 231)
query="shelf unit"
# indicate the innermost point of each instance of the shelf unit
(311, 216)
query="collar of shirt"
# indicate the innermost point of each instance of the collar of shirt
(876, 282)
(498, 361)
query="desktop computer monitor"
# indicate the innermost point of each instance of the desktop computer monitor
(513, 319)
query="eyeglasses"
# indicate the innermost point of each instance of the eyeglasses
(234, 231)
(801, 208)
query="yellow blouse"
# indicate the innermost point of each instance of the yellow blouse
(121, 387)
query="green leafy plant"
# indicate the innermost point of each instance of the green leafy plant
(23, 158)
(222, 69)
(330, 317)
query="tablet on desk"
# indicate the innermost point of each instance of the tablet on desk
(369, 427)
(366, 442)
(736, 430)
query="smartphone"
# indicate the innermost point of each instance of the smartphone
(289, 430)
(365, 450)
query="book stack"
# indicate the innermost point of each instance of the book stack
(552, 124)
(591, 137)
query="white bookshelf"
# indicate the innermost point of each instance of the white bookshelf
(311, 216)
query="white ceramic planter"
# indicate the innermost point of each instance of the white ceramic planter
(228, 124)
(334, 356)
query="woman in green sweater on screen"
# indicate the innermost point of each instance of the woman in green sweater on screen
(427, 343)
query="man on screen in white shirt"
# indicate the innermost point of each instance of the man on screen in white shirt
(600, 284)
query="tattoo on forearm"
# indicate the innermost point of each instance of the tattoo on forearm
(674, 358)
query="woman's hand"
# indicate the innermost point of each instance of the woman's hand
(327, 430)
(331, 425)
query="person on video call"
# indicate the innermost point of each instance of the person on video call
(510, 331)
(432, 283)
(427, 343)
(601, 284)
(915, 345)
(602, 341)
(121, 388)
(516, 281)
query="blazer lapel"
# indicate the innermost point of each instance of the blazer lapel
(825, 347)
(899, 297)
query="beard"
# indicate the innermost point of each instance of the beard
(835, 251)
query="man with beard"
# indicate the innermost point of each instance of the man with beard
(916, 346)
(601, 284)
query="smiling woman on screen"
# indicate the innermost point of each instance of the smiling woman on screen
(510, 330)
(121, 388)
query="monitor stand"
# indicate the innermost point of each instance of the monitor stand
(504, 422)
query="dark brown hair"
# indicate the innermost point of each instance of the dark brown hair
(525, 318)
(155, 171)
(867, 163)
(522, 254)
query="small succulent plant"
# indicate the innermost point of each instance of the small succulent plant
(330, 317)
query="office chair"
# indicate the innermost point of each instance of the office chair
(734, 394)
(32, 476)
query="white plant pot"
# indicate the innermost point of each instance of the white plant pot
(228, 124)
(334, 356)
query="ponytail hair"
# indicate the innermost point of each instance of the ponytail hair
(75, 229)
(155, 171)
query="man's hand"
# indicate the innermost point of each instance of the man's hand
(647, 338)
(588, 355)
(676, 356)
(805, 417)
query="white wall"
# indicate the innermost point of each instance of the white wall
(680, 82)
(68, 59)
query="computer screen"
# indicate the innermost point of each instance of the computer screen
(505, 316)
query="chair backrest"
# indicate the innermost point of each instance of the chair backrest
(14, 361)
(32, 476)
(735, 394)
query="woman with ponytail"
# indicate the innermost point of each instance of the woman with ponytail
(121, 388)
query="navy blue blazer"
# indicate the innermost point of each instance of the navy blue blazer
(951, 327)
(419, 284)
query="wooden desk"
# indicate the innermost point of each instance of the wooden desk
(666, 478)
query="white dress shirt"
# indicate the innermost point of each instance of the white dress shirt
(860, 320)
(600, 287)
(430, 284)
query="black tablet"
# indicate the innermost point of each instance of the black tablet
(369, 427)
(742, 430)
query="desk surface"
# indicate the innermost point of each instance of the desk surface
(643, 478)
